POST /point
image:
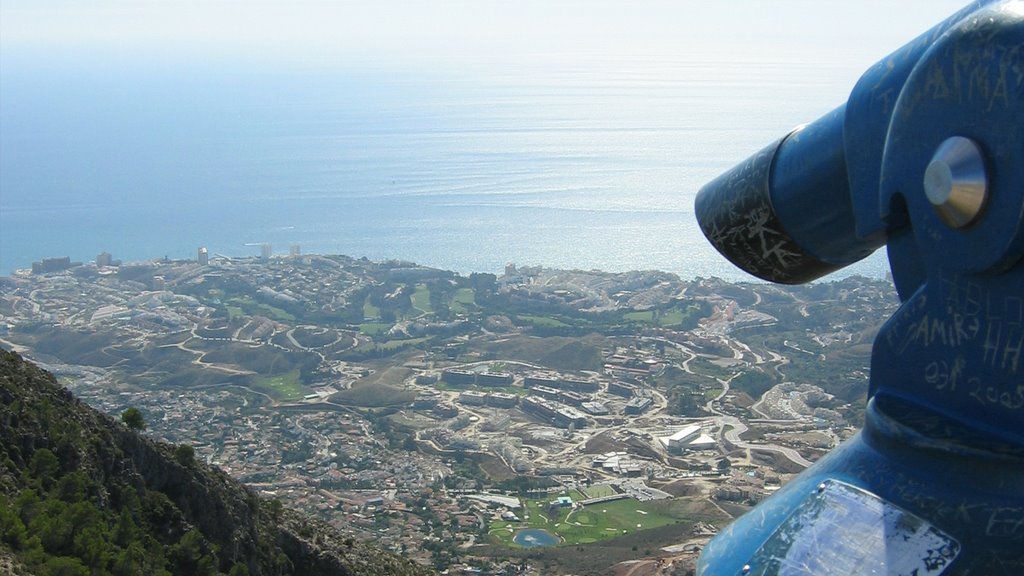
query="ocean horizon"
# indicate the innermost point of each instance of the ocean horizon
(457, 135)
(570, 166)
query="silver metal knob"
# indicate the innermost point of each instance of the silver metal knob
(956, 183)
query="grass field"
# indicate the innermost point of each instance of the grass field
(598, 491)
(463, 301)
(246, 305)
(670, 317)
(647, 316)
(588, 524)
(421, 299)
(543, 321)
(285, 386)
(374, 328)
(369, 310)
(274, 312)
(712, 393)
(396, 344)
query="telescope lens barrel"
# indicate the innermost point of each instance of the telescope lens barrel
(786, 214)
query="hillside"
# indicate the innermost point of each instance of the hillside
(81, 493)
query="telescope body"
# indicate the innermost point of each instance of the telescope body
(927, 158)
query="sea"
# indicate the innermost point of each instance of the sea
(574, 164)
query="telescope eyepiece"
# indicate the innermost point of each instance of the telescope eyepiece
(785, 214)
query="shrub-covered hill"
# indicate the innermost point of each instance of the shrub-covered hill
(80, 493)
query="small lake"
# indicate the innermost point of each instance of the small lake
(533, 537)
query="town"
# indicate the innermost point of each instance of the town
(537, 420)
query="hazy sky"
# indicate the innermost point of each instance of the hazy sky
(404, 30)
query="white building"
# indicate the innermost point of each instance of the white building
(689, 438)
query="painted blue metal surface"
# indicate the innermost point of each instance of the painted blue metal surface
(942, 449)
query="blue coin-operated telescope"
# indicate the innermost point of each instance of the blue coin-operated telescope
(927, 156)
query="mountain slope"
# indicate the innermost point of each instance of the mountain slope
(82, 494)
